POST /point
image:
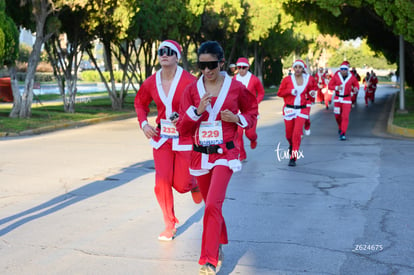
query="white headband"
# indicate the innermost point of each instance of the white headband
(243, 64)
(171, 46)
(300, 63)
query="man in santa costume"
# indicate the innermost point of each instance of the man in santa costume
(344, 85)
(255, 87)
(172, 152)
(328, 93)
(370, 87)
(320, 79)
(296, 91)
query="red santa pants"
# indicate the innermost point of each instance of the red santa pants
(319, 96)
(354, 98)
(294, 131)
(369, 96)
(250, 134)
(342, 111)
(328, 98)
(171, 170)
(213, 187)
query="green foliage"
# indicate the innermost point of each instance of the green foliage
(379, 21)
(273, 72)
(9, 38)
(360, 57)
(93, 76)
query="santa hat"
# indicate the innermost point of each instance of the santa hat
(173, 45)
(242, 61)
(345, 65)
(300, 63)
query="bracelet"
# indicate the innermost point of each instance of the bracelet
(195, 112)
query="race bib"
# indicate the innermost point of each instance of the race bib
(210, 133)
(168, 129)
(290, 113)
(337, 110)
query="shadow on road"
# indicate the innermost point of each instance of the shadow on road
(85, 192)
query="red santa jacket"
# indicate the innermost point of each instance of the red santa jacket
(297, 105)
(151, 90)
(320, 79)
(343, 88)
(233, 96)
(253, 84)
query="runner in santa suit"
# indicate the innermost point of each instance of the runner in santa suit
(172, 153)
(296, 91)
(320, 79)
(255, 87)
(328, 93)
(358, 77)
(210, 112)
(344, 85)
(370, 87)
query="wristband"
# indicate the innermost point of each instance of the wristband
(195, 112)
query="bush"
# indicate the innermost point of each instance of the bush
(93, 76)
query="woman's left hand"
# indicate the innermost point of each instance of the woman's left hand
(228, 116)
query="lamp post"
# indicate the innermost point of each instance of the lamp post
(402, 76)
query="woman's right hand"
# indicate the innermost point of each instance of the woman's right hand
(149, 131)
(204, 102)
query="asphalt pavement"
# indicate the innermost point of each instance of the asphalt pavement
(81, 201)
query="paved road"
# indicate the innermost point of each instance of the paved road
(80, 201)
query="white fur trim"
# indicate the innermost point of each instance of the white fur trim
(299, 63)
(243, 64)
(190, 112)
(243, 121)
(171, 46)
(143, 124)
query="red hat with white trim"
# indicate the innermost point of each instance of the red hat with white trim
(173, 45)
(300, 63)
(345, 65)
(242, 61)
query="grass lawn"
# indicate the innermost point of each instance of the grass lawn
(47, 115)
(405, 120)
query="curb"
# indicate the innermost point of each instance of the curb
(394, 129)
(75, 124)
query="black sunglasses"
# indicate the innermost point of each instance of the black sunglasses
(167, 51)
(241, 67)
(211, 65)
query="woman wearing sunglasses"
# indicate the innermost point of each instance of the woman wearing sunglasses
(210, 112)
(255, 87)
(344, 84)
(296, 90)
(172, 153)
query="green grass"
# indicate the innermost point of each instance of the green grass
(48, 115)
(405, 120)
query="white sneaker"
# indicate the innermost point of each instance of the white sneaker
(307, 132)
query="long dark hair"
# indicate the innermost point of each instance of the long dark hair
(211, 47)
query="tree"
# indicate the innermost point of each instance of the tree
(9, 47)
(65, 49)
(33, 15)
(110, 20)
(380, 22)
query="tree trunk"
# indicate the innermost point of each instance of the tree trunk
(17, 98)
(40, 13)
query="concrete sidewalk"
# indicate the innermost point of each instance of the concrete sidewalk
(81, 201)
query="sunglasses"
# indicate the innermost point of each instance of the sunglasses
(344, 69)
(167, 51)
(241, 67)
(211, 65)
